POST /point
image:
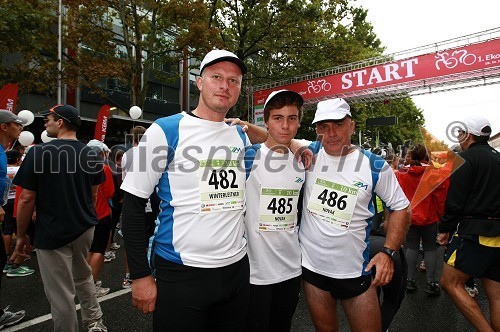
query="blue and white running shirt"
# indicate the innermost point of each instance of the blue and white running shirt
(197, 166)
(338, 211)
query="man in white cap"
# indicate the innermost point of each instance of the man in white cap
(194, 161)
(470, 226)
(336, 222)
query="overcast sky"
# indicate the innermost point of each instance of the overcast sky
(402, 25)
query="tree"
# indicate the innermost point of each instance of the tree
(28, 44)
(129, 41)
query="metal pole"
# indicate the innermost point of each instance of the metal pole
(59, 54)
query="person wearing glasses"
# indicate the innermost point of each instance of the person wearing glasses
(61, 179)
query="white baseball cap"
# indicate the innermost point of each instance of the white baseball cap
(274, 93)
(476, 125)
(96, 145)
(216, 56)
(332, 109)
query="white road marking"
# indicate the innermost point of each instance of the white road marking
(47, 317)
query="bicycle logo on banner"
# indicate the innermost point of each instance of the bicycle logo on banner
(318, 86)
(456, 57)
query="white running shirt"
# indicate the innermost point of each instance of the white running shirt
(201, 190)
(338, 211)
(273, 188)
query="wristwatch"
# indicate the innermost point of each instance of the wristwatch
(393, 254)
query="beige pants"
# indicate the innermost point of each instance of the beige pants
(65, 272)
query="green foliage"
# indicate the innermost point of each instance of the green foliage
(131, 41)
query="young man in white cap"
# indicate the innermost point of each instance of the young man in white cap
(274, 181)
(336, 222)
(194, 161)
(10, 129)
(470, 226)
(61, 178)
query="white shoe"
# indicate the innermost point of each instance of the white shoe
(10, 318)
(97, 327)
(100, 291)
(114, 246)
(109, 256)
(472, 291)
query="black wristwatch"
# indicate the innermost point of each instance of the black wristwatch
(393, 254)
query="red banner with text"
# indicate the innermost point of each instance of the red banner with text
(442, 66)
(102, 123)
(8, 97)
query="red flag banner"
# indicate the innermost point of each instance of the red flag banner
(102, 123)
(452, 65)
(8, 97)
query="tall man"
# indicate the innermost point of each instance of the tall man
(10, 128)
(194, 162)
(471, 225)
(61, 178)
(273, 186)
(336, 222)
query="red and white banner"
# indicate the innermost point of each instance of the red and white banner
(8, 97)
(102, 123)
(444, 66)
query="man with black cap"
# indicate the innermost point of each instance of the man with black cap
(61, 178)
(470, 226)
(336, 221)
(10, 128)
(194, 161)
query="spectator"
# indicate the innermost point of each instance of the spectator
(10, 128)
(62, 177)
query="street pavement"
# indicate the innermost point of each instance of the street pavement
(418, 311)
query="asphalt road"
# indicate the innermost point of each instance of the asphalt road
(418, 311)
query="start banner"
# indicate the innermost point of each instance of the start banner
(441, 66)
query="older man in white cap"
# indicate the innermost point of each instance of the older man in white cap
(336, 222)
(470, 226)
(194, 161)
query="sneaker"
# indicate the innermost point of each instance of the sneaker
(120, 232)
(7, 268)
(432, 288)
(97, 327)
(100, 291)
(411, 285)
(20, 271)
(10, 318)
(127, 283)
(114, 246)
(473, 291)
(109, 256)
(422, 265)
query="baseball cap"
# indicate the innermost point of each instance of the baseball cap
(65, 112)
(332, 109)
(283, 91)
(216, 56)
(476, 125)
(96, 145)
(8, 116)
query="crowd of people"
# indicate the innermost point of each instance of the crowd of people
(224, 222)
